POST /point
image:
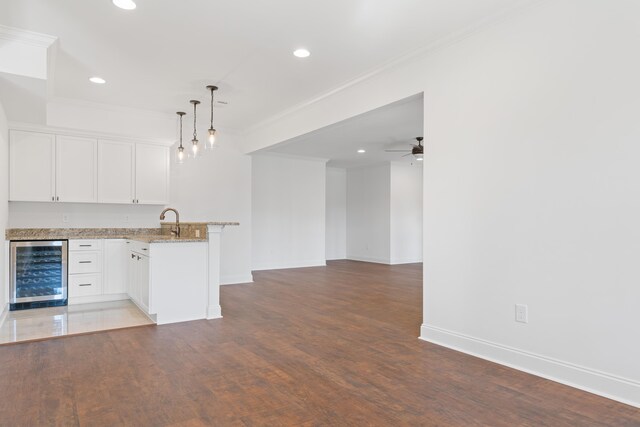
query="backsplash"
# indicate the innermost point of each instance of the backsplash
(82, 215)
(187, 229)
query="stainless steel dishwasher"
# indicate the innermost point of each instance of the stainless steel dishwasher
(38, 274)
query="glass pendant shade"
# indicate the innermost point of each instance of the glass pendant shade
(180, 156)
(212, 137)
(195, 148)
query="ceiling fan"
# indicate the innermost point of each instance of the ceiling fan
(417, 150)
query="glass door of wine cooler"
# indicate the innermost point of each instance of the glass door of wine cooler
(38, 274)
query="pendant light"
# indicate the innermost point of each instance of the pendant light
(180, 152)
(194, 141)
(212, 132)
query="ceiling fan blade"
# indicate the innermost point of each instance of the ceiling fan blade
(408, 154)
(396, 151)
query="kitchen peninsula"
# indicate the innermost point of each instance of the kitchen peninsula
(171, 279)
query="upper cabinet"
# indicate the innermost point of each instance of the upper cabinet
(76, 169)
(115, 172)
(59, 168)
(32, 166)
(152, 174)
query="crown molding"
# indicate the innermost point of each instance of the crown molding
(78, 103)
(419, 53)
(27, 37)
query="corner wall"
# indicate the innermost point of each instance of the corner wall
(288, 211)
(406, 213)
(369, 214)
(336, 231)
(530, 188)
(218, 187)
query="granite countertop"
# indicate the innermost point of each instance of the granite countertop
(147, 235)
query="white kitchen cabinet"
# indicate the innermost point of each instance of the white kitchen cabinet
(60, 168)
(76, 169)
(31, 166)
(85, 285)
(85, 271)
(152, 174)
(115, 267)
(138, 283)
(116, 182)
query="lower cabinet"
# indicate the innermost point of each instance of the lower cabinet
(138, 283)
(97, 270)
(115, 267)
(85, 270)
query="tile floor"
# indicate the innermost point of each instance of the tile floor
(27, 325)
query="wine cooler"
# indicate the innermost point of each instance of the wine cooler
(38, 274)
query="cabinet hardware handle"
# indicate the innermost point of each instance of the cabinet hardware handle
(53, 199)
(84, 284)
(85, 246)
(57, 198)
(145, 249)
(84, 262)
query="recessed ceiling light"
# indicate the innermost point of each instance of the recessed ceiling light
(125, 4)
(362, 151)
(419, 159)
(97, 80)
(301, 53)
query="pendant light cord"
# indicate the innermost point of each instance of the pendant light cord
(212, 90)
(181, 131)
(194, 122)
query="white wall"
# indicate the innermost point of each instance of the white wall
(531, 185)
(368, 213)
(406, 213)
(218, 187)
(79, 215)
(4, 214)
(288, 211)
(336, 231)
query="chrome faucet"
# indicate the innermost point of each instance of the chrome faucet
(175, 231)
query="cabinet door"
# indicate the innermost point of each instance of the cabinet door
(76, 169)
(31, 166)
(115, 267)
(115, 172)
(152, 174)
(132, 283)
(143, 282)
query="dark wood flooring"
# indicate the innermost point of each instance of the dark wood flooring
(330, 346)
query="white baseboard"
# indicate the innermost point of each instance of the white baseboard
(590, 380)
(295, 264)
(214, 312)
(236, 279)
(406, 261)
(368, 259)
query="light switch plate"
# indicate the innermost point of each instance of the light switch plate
(522, 313)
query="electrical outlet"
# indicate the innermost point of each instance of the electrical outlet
(522, 313)
(65, 218)
(126, 218)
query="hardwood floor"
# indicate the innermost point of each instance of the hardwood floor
(315, 346)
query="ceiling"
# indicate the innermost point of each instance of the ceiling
(163, 53)
(394, 126)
